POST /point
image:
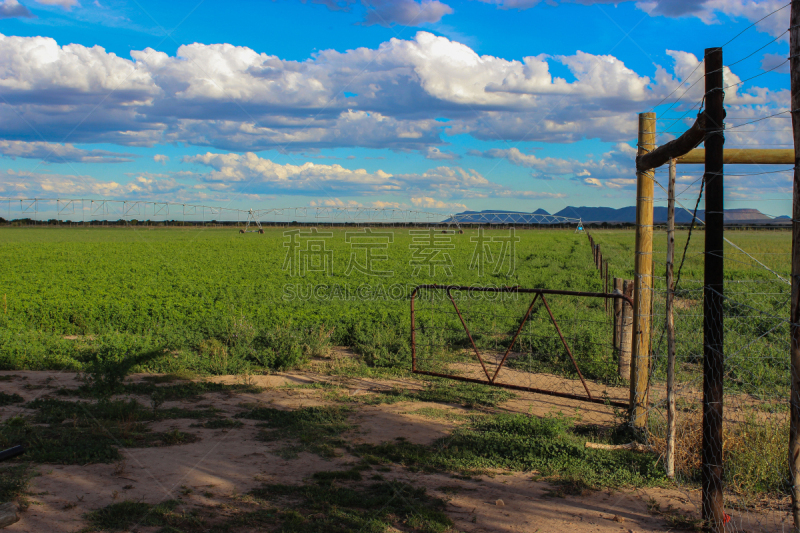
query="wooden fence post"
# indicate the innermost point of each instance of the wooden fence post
(670, 322)
(626, 335)
(643, 277)
(794, 318)
(617, 287)
(713, 331)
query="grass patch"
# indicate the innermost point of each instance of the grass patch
(440, 391)
(66, 432)
(375, 508)
(219, 423)
(753, 451)
(84, 441)
(14, 481)
(352, 474)
(315, 385)
(8, 399)
(52, 411)
(523, 443)
(170, 378)
(443, 414)
(182, 391)
(313, 429)
(122, 516)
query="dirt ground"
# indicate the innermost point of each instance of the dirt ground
(226, 463)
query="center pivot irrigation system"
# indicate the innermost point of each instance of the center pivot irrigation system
(83, 210)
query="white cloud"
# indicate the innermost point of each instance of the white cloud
(334, 202)
(234, 98)
(161, 158)
(64, 4)
(405, 12)
(392, 12)
(427, 202)
(615, 164)
(708, 11)
(379, 204)
(13, 9)
(60, 153)
(26, 183)
(592, 182)
(249, 172)
(434, 153)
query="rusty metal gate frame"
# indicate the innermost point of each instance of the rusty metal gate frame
(490, 380)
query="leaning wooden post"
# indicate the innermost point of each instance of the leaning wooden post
(713, 332)
(605, 284)
(794, 319)
(643, 276)
(626, 335)
(617, 287)
(670, 322)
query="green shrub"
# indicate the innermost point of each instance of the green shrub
(382, 345)
(281, 348)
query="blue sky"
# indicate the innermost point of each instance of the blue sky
(437, 105)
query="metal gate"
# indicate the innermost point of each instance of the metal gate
(470, 334)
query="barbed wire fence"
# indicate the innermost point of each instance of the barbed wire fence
(753, 310)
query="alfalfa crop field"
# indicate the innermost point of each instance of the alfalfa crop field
(158, 350)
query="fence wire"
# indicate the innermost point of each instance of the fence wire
(756, 384)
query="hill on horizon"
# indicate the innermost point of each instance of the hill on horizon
(622, 215)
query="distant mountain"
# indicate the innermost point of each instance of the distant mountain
(624, 215)
(682, 216)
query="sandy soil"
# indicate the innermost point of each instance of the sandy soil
(223, 464)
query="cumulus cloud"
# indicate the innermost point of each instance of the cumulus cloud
(13, 9)
(405, 12)
(334, 202)
(708, 11)
(392, 12)
(235, 172)
(613, 169)
(434, 153)
(26, 183)
(60, 153)
(431, 203)
(234, 98)
(309, 178)
(161, 158)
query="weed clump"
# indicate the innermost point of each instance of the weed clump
(314, 429)
(8, 399)
(79, 432)
(375, 508)
(753, 452)
(122, 515)
(382, 346)
(524, 443)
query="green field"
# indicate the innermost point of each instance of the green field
(214, 302)
(121, 291)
